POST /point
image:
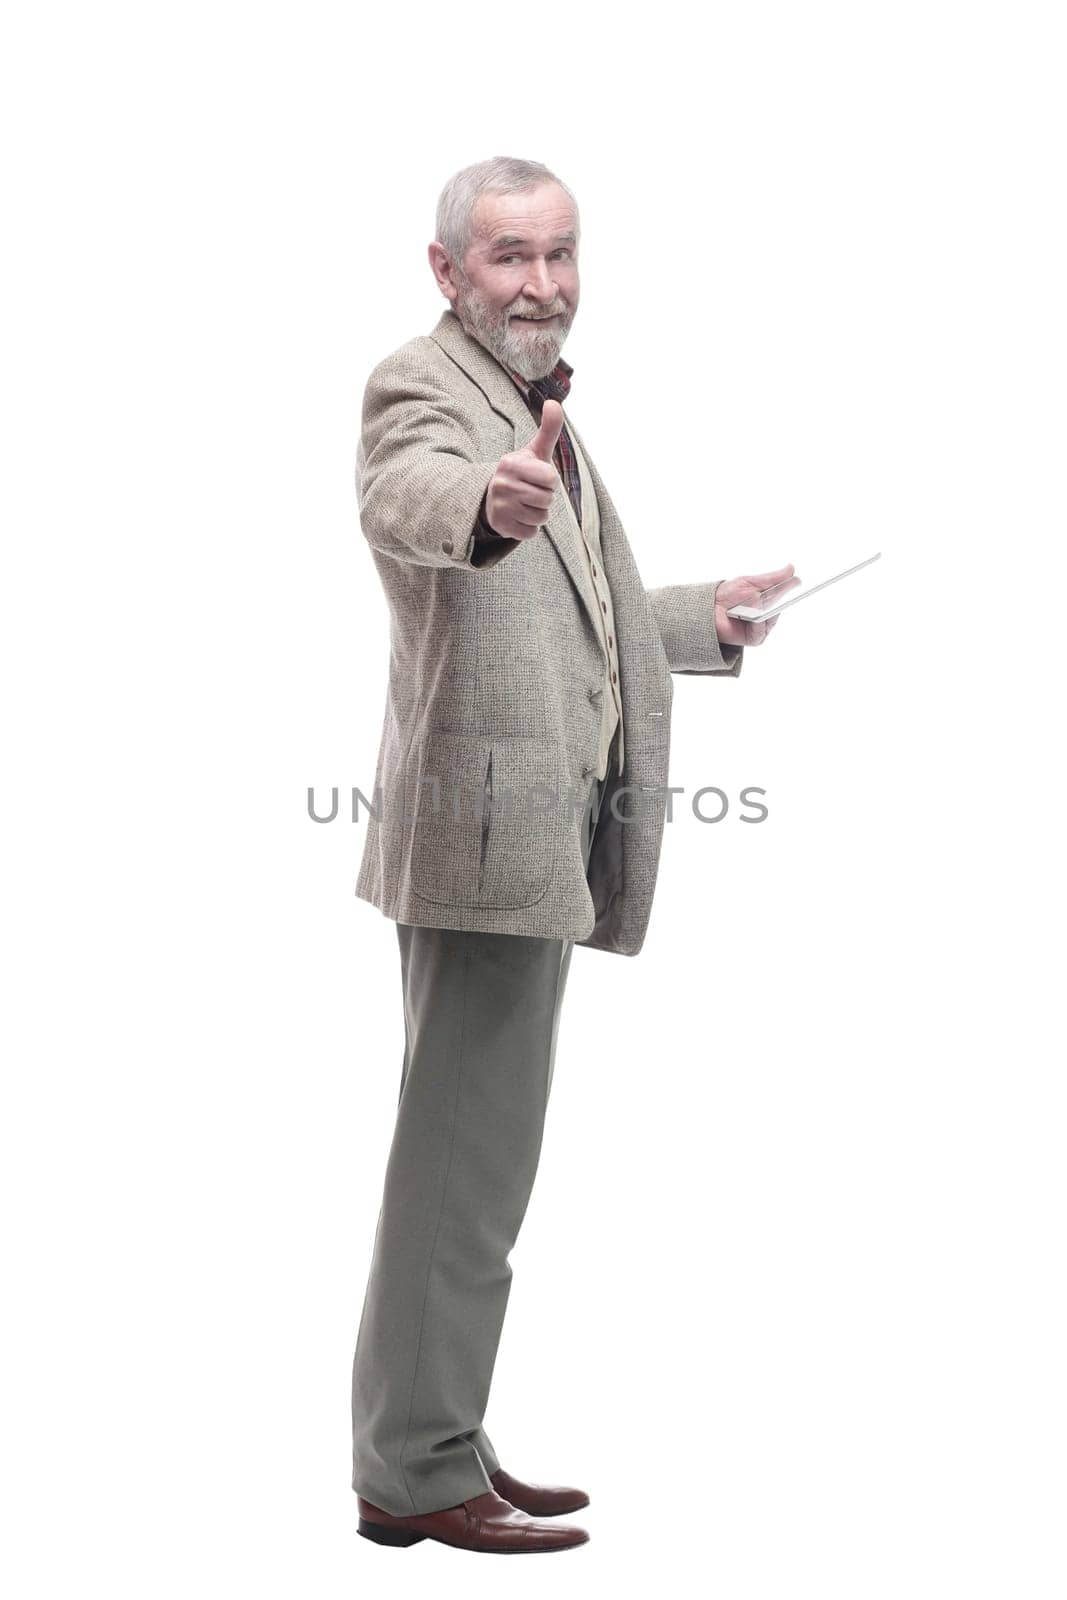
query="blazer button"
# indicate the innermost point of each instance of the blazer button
(446, 546)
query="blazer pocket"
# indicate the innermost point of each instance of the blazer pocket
(488, 819)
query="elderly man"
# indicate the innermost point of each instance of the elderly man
(526, 658)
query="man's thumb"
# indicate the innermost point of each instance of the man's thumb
(544, 441)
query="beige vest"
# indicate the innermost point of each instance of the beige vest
(599, 597)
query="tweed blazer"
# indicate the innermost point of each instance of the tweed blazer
(496, 673)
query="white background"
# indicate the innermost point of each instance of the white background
(789, 1297)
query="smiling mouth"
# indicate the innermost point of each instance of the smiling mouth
(552, 318)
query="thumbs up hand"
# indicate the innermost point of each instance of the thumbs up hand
(522, 488)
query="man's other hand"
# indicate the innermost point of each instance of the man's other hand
(522, 487)
(750, 591)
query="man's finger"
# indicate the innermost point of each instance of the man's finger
(531, 470)
(778, 591)
(766, 580)
(544, 441)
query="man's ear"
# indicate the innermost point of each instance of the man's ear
(441, 267)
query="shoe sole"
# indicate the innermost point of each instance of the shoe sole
(403, 1538)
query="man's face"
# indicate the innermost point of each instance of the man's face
(518, 288)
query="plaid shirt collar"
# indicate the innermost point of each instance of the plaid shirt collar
(557, 385)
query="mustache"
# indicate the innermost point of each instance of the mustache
(536, 312)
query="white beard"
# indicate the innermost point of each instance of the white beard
(530, 351)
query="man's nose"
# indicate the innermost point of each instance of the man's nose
(540, 285)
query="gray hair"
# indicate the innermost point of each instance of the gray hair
(498, 175)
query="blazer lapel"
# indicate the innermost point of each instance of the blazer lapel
(505, 399)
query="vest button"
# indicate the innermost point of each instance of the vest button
(446, 546)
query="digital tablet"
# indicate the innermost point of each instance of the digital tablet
(750, 614)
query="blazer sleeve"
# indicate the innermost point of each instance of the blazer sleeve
(419, 479)
(685, 616)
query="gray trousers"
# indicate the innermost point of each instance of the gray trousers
(481, 1014)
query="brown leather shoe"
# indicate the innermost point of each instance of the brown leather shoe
(537, 1498)
(487, 1522)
